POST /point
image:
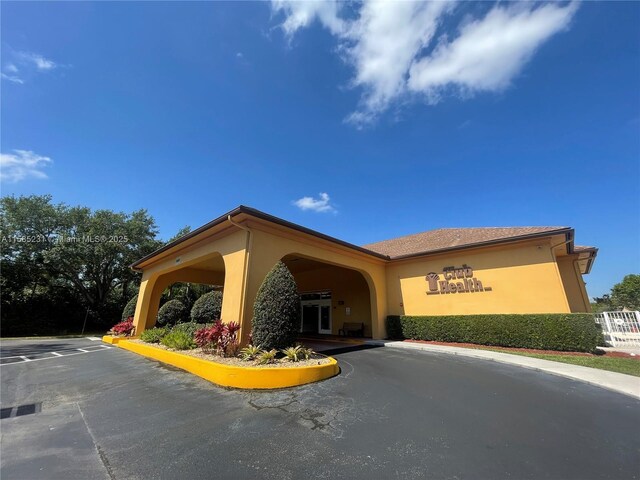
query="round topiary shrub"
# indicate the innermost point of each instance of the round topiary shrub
(276, 311)
(130, 308)
(207, 308)
(172, 312)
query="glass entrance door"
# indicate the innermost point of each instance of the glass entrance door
(316, 313)
(309, 318)
(325, 319)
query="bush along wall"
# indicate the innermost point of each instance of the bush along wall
(577, 332)
(276, 311)
(207, 308)
(130, 308)
(172, 312)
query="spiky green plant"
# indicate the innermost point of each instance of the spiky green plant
(250, 352)
(267, 356)
(293, 354)
(306, 353)
(154, 335)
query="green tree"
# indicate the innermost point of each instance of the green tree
(276, 311)
(626, 294)
(601, 304)
(181, 233)
(53, 251)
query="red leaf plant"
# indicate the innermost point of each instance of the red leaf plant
(123, 328)
(221, 338)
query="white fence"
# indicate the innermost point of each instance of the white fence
(620, 329)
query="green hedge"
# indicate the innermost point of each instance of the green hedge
(577, 332)
(207, 308)
(172, 312)
(130, 308)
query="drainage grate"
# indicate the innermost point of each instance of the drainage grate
(20, 410)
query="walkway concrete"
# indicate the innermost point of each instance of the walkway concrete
(630, 350)
(618, 382)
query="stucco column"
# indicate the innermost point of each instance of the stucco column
(233, 298)
(147, 305)
(378, 298)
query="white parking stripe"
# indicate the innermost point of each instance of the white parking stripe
(25, 359)
(93, 339)
(57, 354)
(83, 350)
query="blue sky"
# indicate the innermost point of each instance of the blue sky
(365, 121)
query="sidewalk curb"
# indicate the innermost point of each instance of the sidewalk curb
(617, 382)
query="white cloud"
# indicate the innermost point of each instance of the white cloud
(24, 65)
(22, 164)
(393, 50)
(301, 13)
(490, 52)
(385, 40)
(320, 204)
(12, 78)
(40, 62)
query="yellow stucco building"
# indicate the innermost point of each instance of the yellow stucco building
(440, 272)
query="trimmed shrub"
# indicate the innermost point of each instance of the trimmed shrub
(188, 327)
(207, 308)
(576, 332)
(154, 335)
(394, 327)
(178, 340)
(172, 312)
(276, 311)
(130, 308)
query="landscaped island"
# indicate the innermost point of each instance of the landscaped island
(212, 350)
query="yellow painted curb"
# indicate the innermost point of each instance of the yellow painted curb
(234, 376)
(114, 340)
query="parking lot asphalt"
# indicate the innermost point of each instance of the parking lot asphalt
(108, 413)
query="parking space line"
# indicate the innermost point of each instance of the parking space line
(25, 359)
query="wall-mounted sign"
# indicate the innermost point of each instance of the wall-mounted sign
(456, 280)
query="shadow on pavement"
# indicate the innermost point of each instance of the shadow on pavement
(348, 349)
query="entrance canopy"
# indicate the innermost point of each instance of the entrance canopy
(238, 249)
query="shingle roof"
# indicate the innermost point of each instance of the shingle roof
(446, 238)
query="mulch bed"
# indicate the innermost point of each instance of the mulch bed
(316, 359)
(527, 350)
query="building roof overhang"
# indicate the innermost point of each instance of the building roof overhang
(243, 211)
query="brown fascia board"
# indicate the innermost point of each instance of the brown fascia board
(594, 253)
(197, 231)
(262, 216)
(568, 232)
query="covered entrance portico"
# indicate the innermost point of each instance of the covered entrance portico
(238, 249)
(331, 296)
